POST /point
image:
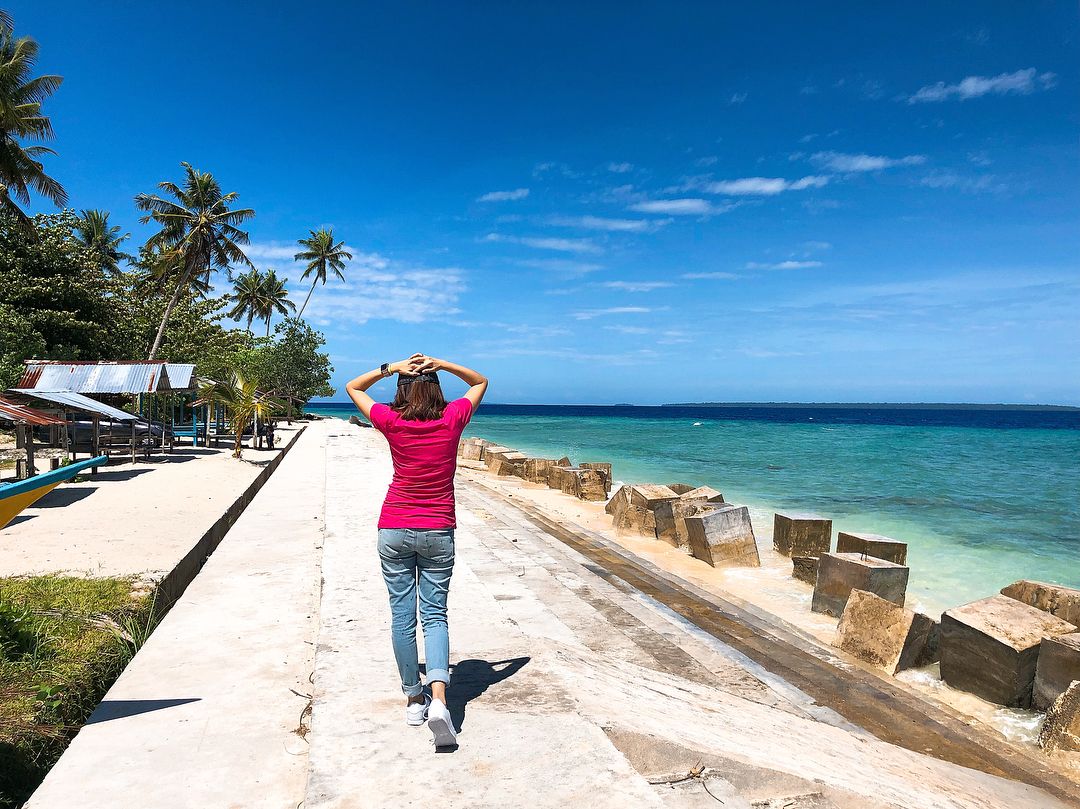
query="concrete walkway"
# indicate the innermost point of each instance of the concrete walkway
(207, 712)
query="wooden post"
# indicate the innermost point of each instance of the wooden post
(133, 423)
(95, 438)
(24, 438)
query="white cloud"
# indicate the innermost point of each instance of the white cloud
(709, 160)
(605, 223)
(737, 98)
(504, 196)
(783, 265)
(814, 245)
(762, 186)
(678, 207)
(589, 314)
(711, 276)
(1023, 82)
(620, 168)
(546, 243)
(629, 329)
(838, 161)
(969, 185)
(561, 267)
(636, 286)
(271, 251)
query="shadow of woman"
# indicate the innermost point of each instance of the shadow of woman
(471, 678)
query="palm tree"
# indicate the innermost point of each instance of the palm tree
(96, 234)
(321, 254)
(198, 228)
(248, 298)
(275, 297)
(21, 98)
(244, 403)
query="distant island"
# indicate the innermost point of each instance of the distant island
(877, 405)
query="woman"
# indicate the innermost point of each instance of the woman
(417, 522)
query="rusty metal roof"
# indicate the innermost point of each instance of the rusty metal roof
(76, 401)
(103, 377)
(21, 414)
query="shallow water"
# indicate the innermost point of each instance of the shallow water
(982, 497)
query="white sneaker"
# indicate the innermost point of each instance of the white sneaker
(441, 725)
(417, 712)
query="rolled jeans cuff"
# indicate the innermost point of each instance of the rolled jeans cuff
(413, 690)
(438, 676)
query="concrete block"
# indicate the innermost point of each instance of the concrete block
(671, 519)
(804, 568)
(564, 461)
(504, 461)
(590, 484)
(885, 634)
(472, 449)
(723, 537)
(680, 488)
(801, 534)
(604, 468)
(650, 495)
(876, 545)
(1061, 602)
(1061, 728)
(1058, 666)
(536, 469)
(619, 502)
(840, 573)
(706, 493)
(557, 478)
(991, 647)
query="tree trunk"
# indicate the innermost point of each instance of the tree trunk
(165, 318)
(268, 325)
(308, 298)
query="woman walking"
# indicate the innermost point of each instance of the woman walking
(417, 522)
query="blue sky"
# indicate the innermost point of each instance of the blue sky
(632, 202)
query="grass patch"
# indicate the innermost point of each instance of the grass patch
(63, 641)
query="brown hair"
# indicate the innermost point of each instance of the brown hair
(419, 401)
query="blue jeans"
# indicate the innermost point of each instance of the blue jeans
(418, 562)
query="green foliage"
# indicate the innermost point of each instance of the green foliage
(244, 403)
(259, 295)
(321, 254)
(66, 652)
(102, 240)
(291, 367)
(21, 119)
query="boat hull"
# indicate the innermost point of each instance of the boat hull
(14, 497)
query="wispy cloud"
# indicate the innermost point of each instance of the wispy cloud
(976, 184)
(848, 163)
(783, 265)
(620, 168)
(817, 245)
(636, 286)
(589, 314)
(561, 267)
(1023, 82)
(270, 251)
(504, 196)
(762, 186)
(711, 276)
(679, 207)
(547, 243)
(737, 98)
(609, 224)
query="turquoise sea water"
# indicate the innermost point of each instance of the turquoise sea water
(980, 506)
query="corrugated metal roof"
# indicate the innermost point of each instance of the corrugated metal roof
(95, 377)
(78, 402)
(181, 375)
(21, 414)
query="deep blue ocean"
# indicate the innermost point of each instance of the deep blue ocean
(983, 497)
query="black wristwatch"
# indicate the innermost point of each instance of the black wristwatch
(385, 369)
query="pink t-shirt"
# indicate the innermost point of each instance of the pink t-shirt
(421, 495)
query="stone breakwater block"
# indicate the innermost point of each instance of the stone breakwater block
(604, 468)
(1058, 666)
(801, 534)
(706, 493)
(564, 461)
(670, 513)
(872, 545)
(991, 647)
(504, 461)
(840, 573)
(472, 449)
(723, 537)
(536, 469)
(680, 488)
(885, 634)
(804, 568)
(650, 495)
(619, 502)
(590, 484)
(1061, 602)
(555, 475)
(1061, 729)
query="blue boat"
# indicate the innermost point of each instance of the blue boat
(14, 497)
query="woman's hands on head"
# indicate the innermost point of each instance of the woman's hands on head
(424, 364)
(409, 367)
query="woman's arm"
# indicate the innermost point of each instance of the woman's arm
(477, 382)
(357, 388)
